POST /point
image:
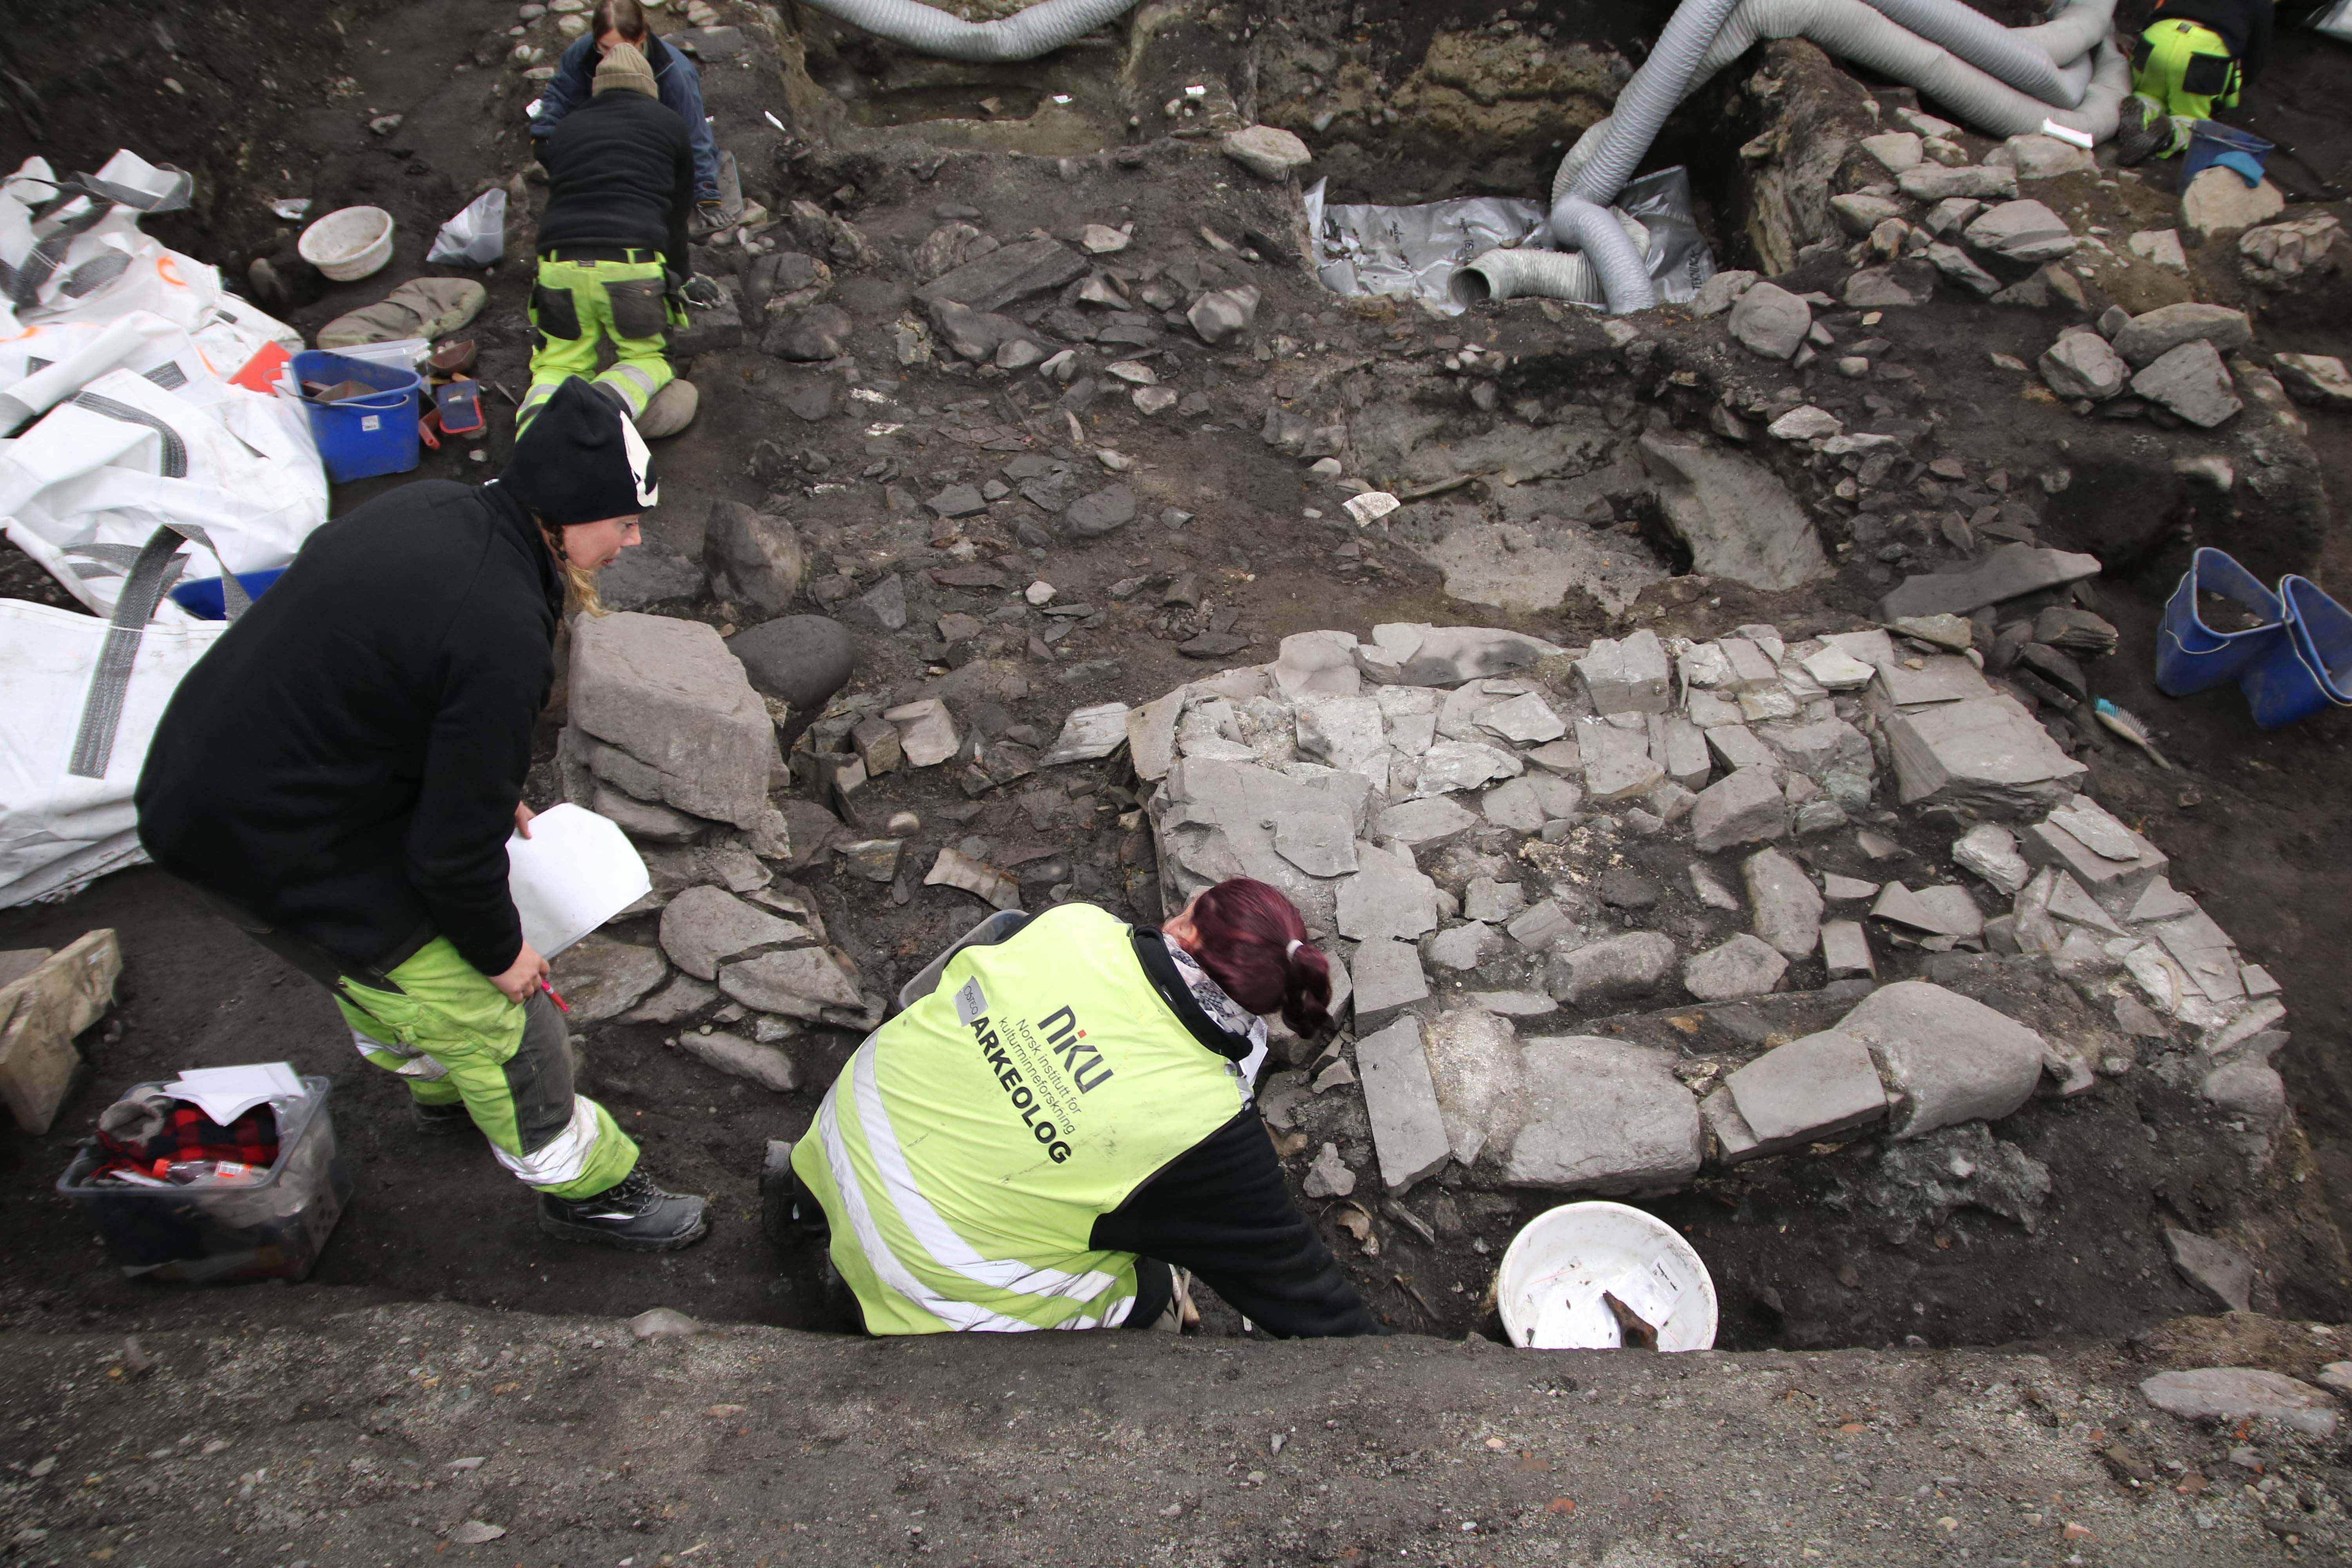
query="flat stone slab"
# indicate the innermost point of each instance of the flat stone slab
(1845, 950)
(1389, 979)
(703, 928)
(1809, 1089)
(1947, 1058)
(1387, 896)
(1988, 753)
(1424, 821)
(1602, 1116)
(2234, 1393)
(2008, 571)
(2113, 863)
(1473, 1061)
(1007, 274)
(1400, 1097)
(1088, 733)
(1415, 653)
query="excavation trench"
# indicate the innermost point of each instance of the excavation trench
(1403, 102)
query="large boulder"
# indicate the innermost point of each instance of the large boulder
(800, 661)
(676, 707)
(1770, 320)
(2152, 334)
(1944, 1057)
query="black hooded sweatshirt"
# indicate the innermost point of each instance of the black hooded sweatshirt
(620, 172)
(345, 762)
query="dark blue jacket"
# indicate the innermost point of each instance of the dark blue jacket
(574, 82)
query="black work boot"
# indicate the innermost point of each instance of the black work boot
(632, 1213)
(441, 1120)
(2142, 129)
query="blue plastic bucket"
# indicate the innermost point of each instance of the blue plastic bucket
(2209, 138)
(2191, 656)
(366, 435)
(2283, 689)
(201, 596)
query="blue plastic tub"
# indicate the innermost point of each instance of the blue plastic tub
(366, 435)
(2209, 138)
(2191, 656)
(2317, 667)
(202, 596)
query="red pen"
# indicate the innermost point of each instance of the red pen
(551, 996)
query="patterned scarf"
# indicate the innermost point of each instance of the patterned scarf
(1222, 1010)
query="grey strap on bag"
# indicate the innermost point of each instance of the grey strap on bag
(110, 683)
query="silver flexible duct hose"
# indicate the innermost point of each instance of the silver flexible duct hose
(1580, 213)
(1984, 44)
(2074, 33)
(1514, 274)
(1853, 30)
(1664, 80)
(1040, 29)
(1587, 225)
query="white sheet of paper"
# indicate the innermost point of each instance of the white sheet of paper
(575, 872)
(226, 1093)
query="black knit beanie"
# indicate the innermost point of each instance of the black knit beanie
(581, 460)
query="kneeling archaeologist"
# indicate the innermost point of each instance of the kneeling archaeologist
(340, 775)
(2193, 57)
(613, 250)
(1063, 1123)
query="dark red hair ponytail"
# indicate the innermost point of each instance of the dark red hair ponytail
(1254, 944)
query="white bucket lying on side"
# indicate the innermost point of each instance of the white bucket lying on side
(1557, 1269)
(575, 872)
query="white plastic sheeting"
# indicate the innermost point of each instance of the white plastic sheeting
(127, 442)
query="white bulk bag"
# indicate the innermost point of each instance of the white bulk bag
(83, 490)
(80, 700)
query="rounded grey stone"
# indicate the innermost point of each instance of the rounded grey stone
(800, 661)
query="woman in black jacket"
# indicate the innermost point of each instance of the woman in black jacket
(341, 773)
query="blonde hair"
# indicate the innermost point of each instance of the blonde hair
(578, 583)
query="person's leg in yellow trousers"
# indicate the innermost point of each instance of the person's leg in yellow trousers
(575, 308)
(456, 1039)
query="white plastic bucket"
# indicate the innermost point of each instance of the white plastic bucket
(1556, 1270)
(349, 243)
(575, 872)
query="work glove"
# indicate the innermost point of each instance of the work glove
(703, 291)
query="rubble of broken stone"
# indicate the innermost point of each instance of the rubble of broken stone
(1450, 808)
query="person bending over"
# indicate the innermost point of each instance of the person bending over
(676, 83)
(2193, 57)
(613, 250)
(1065, 1119)
(341, 771)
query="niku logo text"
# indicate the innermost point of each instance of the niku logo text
(1064, 1040)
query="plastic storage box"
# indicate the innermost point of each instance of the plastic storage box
(272, 1229)
(364, 436)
